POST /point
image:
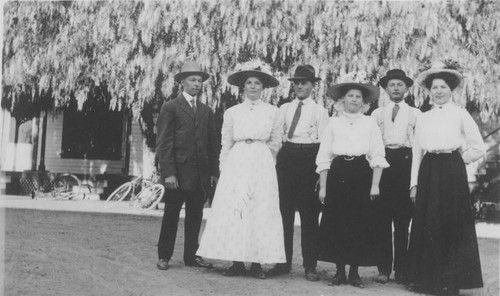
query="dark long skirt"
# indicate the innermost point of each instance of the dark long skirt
(443, 251)
(347, 228)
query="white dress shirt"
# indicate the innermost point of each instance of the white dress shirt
(190, 99)
(400, 132)
(443, 129)
(353, 135)
(312, 122)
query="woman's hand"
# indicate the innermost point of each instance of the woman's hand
(374, 192)
(413, 194)
(322, 195)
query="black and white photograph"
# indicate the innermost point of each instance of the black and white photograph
(250, 147)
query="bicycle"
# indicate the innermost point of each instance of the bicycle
(63, 186)
(145, 194)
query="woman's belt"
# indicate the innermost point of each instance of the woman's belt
(351, 157)
(250, 141)
(442, 151)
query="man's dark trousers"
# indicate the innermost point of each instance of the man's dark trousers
(194, 214)
(297, 177)
(395, 206)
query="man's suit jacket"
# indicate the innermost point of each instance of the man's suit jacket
(187, 143)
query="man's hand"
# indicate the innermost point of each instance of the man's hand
(413, 194)
(171, 182)
(213, 181)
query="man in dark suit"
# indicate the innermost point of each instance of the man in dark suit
(187, 155)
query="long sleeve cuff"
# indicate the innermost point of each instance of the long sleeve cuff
(323, 166)
(379, 161)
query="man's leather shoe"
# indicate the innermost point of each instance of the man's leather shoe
(382, 278)
(162, 264)
(400, 278)
(338, 279)
(199, 262)
(280, 268)
(311, 275)
(355, 281)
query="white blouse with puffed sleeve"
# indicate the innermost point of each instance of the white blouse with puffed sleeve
(352, 135)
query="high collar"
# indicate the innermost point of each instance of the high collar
(445, 105)
(249, 102)
(352, 115)
(305, 101)
(188, 97)
(401, 104)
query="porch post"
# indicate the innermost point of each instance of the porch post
(127, 131)
(35, 132)
(41, 167)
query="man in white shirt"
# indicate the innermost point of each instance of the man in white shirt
(396, 121)
(303, 122)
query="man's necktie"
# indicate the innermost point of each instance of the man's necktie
(193, 105)
(395, 111)
(295, 120)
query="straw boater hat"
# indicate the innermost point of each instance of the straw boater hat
(370, 92)
(304, 72)
(452, 77)
(239, 78)
(395, 74)
(190, 68)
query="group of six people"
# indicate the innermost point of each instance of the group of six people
(361, 172)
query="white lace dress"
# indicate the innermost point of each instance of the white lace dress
(245, 222)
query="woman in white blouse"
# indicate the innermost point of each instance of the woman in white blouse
(350, 162)
(443, 247)
(245, 223)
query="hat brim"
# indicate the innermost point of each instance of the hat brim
(239, 78)
(384, 80)
(424, 75)
(298, 78)
(180, 76)
(370, 92)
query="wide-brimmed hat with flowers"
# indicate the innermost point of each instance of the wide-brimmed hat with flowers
(190, 68)
(370, 92)
(452, 77)
(239, 78)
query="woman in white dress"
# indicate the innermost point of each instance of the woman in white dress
(245, 224)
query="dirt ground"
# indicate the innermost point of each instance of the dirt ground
(74, 253)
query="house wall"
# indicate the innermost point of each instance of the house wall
(53, 162)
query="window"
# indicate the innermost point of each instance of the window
(92, 134)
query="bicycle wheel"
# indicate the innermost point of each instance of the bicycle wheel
(65, 186)
(150, 197)
(118, 195)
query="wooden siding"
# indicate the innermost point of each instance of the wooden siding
(54, 162)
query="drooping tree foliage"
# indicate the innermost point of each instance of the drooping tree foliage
(134, 48)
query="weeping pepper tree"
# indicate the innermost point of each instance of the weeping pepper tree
(134, 48)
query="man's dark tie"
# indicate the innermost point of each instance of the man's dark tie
(193, 105)
(395, 111)
(295, 120)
